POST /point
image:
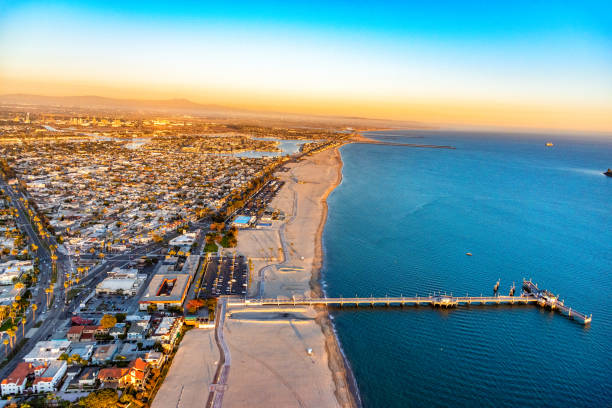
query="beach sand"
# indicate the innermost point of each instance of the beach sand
(270, 363)
(191, 373)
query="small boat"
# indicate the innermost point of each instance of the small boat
(549, 144)
(608, 173)
(468, 253)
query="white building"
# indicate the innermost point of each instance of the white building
(121, 281)
(50, 378)
(186, 239)
(16, 381)
(47, 351)
(14, 269)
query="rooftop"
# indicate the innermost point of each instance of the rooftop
(167, 288)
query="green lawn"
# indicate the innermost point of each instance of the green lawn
(211, 247)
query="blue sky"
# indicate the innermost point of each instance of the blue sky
(360, 57)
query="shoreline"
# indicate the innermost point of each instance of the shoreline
(337, 362)
(302, 363)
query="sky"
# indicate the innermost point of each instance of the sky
(521, 64)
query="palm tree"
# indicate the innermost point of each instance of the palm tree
(34, 307)
(10, 333)
(6, 342)
(23, 323)
(48, 291)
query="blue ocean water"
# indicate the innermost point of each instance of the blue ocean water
(402, 221)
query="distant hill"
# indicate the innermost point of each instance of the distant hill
(187, 107)
(93, 101)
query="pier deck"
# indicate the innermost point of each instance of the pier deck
(531, 295)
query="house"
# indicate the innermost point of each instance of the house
(155, 359)
(88, 377)
(130, 351)
(84, 333)
(140, 320)
(117, 330)
(167, 331)
(104, 353)
(51, 377)
(83, 350)
(16, 381)
(74, 333)
(136, 332)
(110, 377)
(138, 371)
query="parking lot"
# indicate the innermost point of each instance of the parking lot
(260, 201)
(224, 276)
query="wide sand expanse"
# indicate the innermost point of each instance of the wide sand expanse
(191, 373)
(270, 363)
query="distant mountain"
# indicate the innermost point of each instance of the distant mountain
(92, 101)
(185, 106)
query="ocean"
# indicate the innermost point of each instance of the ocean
(401, 223)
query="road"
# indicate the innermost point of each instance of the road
(54, 316)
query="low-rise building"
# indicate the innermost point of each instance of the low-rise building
(88, 377)
(166, 290)
(13, 269)
(16, 381)
(47, 351)
(167, 331)
(104, 353)
(83, 333)
(121, 281)
(135, 332)
(186, 239)
(50, 377)
(83, 350)
(136, 375)
(155, 359)
(111, 377)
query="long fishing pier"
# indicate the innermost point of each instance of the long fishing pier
(531, 295)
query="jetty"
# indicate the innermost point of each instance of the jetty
(531, 295)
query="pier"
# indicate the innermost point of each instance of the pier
(531, 295)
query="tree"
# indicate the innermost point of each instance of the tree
(108, 321)
(34, 307)
(104, 398)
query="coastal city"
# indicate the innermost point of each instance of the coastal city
(303, 204)
(119, 237)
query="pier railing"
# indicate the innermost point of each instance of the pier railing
(531, 295)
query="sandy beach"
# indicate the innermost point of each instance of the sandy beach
(271, 365)
(191, 373)
(280, 357)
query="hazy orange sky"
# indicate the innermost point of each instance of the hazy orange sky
(544, 66)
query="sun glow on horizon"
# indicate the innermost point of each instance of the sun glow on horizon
(555, 77)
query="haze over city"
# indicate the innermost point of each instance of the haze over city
(538, 65)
